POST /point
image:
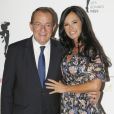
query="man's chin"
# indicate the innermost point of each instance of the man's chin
(43, 42)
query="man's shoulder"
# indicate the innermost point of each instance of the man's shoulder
(57, 45)
(56, 42)
(18, 47)
(21, 43)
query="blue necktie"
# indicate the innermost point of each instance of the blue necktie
(41, 65)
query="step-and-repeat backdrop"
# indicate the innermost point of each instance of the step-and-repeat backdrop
(14, 26)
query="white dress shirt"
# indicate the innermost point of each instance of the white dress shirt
(36, 48)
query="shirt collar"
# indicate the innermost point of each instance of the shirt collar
(37, 44)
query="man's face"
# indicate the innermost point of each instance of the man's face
(42, 27)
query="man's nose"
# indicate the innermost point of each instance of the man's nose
(43, 27)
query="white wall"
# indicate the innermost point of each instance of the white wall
(18, 13)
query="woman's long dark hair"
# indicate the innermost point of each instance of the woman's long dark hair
(92, 47)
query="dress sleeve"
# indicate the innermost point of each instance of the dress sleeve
(97, 69)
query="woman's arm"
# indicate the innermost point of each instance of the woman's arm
(90, 86)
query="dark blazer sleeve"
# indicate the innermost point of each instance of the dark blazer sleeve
(8, 82)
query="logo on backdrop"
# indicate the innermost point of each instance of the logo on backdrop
(87, 5)
(4, 34)
(94, 6)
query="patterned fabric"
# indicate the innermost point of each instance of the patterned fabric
(77, 70)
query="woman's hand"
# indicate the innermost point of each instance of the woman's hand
(57, 87)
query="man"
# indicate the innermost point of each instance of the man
(23, 91)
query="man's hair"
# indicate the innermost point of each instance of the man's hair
(46, 10)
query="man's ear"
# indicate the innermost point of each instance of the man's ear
(55, 29)
(31, 27)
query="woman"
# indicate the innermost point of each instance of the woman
(84, 67)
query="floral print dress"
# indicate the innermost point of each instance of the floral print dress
(77, 70)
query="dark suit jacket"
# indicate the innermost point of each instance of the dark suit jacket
(21, 89)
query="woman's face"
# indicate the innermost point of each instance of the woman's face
(73, 26)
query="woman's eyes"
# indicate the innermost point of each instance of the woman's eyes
(74, 22)
(65, 24)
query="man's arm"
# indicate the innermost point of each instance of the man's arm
(8, 82)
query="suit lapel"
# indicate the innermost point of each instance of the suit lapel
(31, 64)
(54, 56)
